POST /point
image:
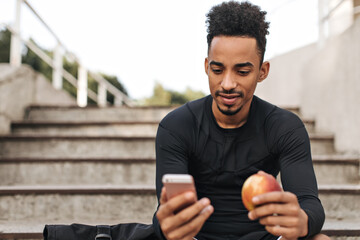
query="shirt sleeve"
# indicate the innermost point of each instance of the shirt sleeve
(298, 176)
(171, 157)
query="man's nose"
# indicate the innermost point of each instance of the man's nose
(228, 82)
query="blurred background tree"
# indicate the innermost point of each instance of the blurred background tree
(165, 97)
(5, 37)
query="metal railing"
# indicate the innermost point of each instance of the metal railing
(56, 63)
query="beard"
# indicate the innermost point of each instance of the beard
(228, 111)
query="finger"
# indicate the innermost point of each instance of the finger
(283, 221)
(185, 215)
(189, 213)
(189, 237)
(276, 196)
(272, 209)
(192, 227)
(286, 233)
(175, 203)
(163, 198)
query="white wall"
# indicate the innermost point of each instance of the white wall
(284, 84)
(342, 18)
(325, 83)
(332, 89)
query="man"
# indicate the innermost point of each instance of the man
(225, 137)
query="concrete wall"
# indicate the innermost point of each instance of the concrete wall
(331, 90)
(285, 82)
(342, 17)
(325, 83)
(21, 87)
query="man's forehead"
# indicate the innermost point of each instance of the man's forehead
(235, 42)
(236, 48)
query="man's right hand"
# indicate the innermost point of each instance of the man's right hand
(186, 223)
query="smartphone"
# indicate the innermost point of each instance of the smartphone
(176, 184)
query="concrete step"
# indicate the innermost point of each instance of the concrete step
(27, 209)
(92, 113)
(136, 129)
(348, 229)
(337, 169)
(106, 146)
(77, 203)
(76, 147)
(124, 129)
(322, 143)
(329, 169)
(340, 202)
(73, 171)
(112, 114)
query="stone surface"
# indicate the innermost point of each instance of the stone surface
(78, 208)
(78, 147)
(337, 169)
(340, 202)
(22, 86)
(321, 143)
(94, 114)
(120, 129)
(75, 172)
(5, 123)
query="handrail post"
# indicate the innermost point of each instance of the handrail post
(102, 94)
(118, 100)
(82, 86)
(57, 79)
(15, 49)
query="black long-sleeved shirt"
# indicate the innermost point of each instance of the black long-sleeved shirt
(274, 140)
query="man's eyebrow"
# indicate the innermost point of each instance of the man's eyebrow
(219, 64)
(238, 65)
(245, 64)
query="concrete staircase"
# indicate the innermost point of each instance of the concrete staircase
(97, 166)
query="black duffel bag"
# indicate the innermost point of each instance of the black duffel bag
(126, 231)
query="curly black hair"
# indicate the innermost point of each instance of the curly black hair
(238, 19)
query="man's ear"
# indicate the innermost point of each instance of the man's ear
(264, 71)
(206, 66)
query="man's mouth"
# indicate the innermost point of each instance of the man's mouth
(229, 99)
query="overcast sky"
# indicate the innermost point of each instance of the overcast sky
(144, 41)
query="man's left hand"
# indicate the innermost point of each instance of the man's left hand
(281, 214)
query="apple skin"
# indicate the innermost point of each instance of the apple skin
(256, 184)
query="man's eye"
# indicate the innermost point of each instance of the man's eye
(243, 73)
(217, 71)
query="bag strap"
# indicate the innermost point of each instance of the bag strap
(103, 232)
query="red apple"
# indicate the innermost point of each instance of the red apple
(257, 184)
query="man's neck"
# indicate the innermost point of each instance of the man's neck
(231, 121)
